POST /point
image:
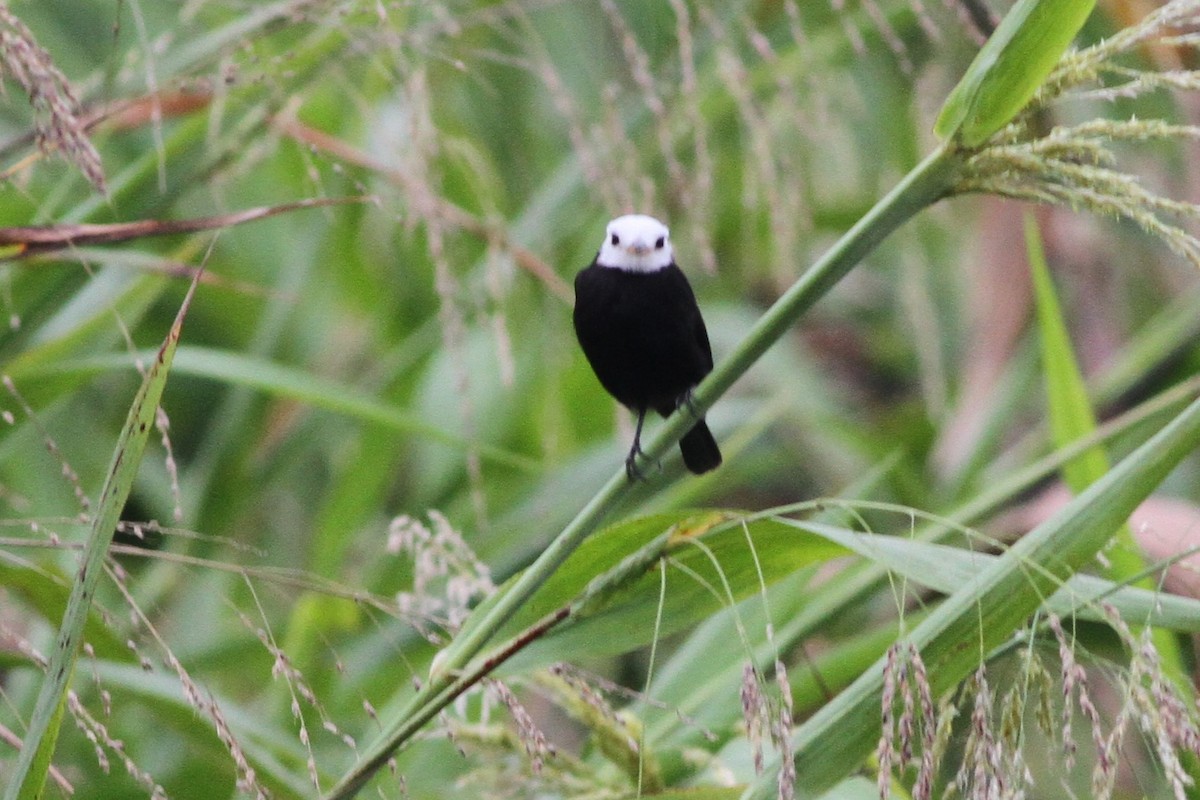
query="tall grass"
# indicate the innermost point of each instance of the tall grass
(377, 415)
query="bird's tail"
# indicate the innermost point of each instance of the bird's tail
(699, 448)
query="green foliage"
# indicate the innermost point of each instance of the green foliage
(382, 461)
(29, 778)
(1010, 68)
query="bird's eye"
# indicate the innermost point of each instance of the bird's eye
(658, 245)
(616, 240)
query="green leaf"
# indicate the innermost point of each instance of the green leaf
(283, 381)
(856, 788)
(701, 546)
(1071, 415)
(48, 596)
(1010, 67)
(945, 569)
(833, 742)
(701, 793)
(1071, 419)
(29, 777)
(272, 752)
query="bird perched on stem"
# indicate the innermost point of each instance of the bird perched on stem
(639, 326)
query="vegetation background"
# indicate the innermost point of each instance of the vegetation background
(366, 394)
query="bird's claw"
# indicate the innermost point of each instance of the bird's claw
(631, 467)
(632, 470)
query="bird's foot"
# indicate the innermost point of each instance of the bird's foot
(631, 467)
(632, 470)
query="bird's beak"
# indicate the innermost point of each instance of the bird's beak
(639, 248)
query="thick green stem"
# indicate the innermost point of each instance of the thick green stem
(922, 187)
(927, 183)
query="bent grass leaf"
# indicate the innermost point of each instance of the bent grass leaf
(625, 620)
(29, 777)
(944, 569)
(280, 380)
(708, 702)
(832, 742)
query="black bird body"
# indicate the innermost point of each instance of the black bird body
(639, 326)
(642, 334)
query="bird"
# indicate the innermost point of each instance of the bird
(640, 328)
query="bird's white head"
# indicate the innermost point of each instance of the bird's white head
(636, 243)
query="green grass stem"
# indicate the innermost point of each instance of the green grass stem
(37, 749)
(922, 187)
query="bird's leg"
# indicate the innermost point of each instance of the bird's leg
(631, 468)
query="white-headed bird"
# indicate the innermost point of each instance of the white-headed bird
(641, 330)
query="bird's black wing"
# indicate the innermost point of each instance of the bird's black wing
(694, 321)
(701, 334)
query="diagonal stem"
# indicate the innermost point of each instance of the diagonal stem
(927, 183)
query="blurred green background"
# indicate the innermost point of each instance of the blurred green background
(413, 353)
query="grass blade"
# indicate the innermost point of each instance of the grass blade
(1071, 419)
(1071, 415)
(944, 568)
(281, 380)
(1012, 65)
(29, 778)
(832, 743)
